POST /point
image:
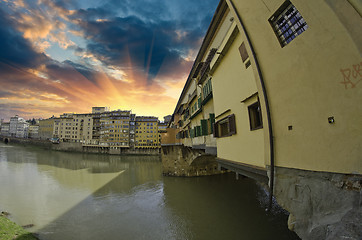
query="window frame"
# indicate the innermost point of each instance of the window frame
(286, 31)
(231, 124)
(254, 111)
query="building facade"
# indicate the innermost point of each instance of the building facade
(115, 129)
(46, 128)
(22, 129)
(286, 85)
(146, 132)
(33, 131)
(5, 129)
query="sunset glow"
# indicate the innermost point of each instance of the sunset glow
(68, 55)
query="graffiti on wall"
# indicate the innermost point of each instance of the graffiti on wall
(352, 76)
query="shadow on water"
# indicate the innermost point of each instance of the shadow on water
(140, 203)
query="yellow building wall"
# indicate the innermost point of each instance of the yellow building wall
(306, 83)
(46, 128)
(208, 108)
(169, 137)
(233, 83)
(143, 133)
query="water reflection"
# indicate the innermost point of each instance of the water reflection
(87, 196)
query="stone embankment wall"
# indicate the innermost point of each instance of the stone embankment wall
(178, 160)
(321, 205)
(78, 147)
(25, 141)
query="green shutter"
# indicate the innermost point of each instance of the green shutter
(212, 121)
(199, 102)
(198, 131)
(204, 127)
(192, 133)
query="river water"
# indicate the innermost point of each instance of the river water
(89, 196)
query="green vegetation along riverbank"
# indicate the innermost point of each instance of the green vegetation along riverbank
(10, 230)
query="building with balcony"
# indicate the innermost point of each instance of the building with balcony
(115, 129)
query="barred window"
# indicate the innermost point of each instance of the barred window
(287, 23)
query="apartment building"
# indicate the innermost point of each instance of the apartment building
(146, 132)
(116, 128)
(33, 131)
(22, 129)
(46, 127)
(18, 127)
(5, 129)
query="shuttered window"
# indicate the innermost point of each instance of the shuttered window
(225, 127)
(204, 130)
(192, 133)
(212, 122)
(198, 131)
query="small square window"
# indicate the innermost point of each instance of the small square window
(287, 23)
(256, 121)
(225, 127)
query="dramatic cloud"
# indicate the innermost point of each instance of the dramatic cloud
(67, 55)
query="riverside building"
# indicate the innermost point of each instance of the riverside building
(286, 85)
(146, 132)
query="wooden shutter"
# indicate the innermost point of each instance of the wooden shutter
(204, 127)
(215, 128)
(232, 125)
(198, 131)
(212, 122)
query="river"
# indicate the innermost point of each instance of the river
(89, 196)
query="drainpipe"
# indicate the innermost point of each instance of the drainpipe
(271, 139)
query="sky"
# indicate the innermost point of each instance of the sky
(62, 56)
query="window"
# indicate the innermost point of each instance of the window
(225, 127)
(206, 91)
(204, 130)
(287, 23)
(255, 118)
(244, 55)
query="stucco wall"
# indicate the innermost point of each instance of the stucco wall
(307, 82)
(233, 83)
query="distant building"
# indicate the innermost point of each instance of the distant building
(162, 128)
(146, 135)
(18, 127)
(100, 109)
(33, 131)
(5, 129)
(115, 129)
(167, 119)
(46, 128)
(22, 129)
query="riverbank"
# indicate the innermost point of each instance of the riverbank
(79, 147)
(10, 230)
